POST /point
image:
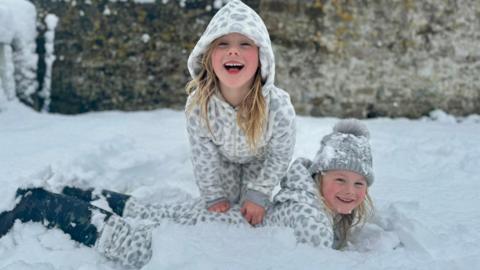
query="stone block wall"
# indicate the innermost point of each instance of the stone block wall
(368, 58)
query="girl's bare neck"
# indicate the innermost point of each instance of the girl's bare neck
(234, 96)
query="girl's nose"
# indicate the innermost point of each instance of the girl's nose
(232, 51)
(349, 189)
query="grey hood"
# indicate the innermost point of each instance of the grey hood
(236, 17)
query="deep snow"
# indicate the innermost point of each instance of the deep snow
(426, 192)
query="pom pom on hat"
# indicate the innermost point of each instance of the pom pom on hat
(352, 126)
(346, 148)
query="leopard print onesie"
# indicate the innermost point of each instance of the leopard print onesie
(224, 166)
(297, 205)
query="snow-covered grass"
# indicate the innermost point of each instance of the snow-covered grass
(426, 192)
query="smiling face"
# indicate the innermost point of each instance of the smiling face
(235, 63)
(343, 190)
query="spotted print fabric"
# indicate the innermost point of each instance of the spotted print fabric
(236, 17)
(131, 246)
(297, 206)
(189, 213)
(224, 166)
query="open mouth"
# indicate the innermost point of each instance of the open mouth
(345, 200)
(233, 66)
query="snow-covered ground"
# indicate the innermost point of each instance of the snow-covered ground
(427, 192)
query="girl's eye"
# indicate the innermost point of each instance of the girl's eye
(339, 180)
(246, 44)
(222, 44)
(359, 184)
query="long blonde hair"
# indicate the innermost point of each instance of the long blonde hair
(343, 223)
(252, 112)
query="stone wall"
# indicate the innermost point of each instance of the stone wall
(378, 58)
(361, 58)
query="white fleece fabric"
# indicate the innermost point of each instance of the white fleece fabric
(297, 205)
(224, 166)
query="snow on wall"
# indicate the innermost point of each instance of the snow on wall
(6, 31)
(25, 58)
(18, 60)
(7, 85)
(51, 22)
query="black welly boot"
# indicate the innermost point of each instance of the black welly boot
(69, 214)
(7, 219)
(116, 201)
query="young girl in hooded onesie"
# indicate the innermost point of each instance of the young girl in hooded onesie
(320, 199)
(241, 127)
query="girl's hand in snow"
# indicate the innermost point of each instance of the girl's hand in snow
(253, 212)
(221, 207)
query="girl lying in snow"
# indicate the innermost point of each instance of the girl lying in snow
(320, 199)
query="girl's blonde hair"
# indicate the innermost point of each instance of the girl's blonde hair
(342, 223)
(251, 115)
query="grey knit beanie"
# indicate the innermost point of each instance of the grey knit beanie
(346, 148)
